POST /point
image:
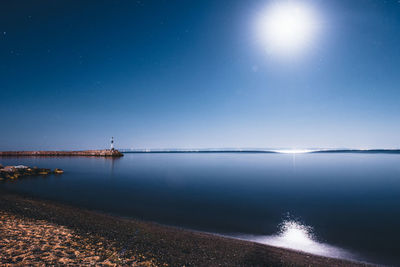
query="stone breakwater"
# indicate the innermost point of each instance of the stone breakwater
(82, 153)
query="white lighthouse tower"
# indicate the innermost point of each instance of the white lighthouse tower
(112, 143)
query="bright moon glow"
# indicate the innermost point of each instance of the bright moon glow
(287, 28)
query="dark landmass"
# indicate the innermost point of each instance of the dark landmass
(83, 153)
(196, 151)
(42, 232)
(366, 151)
(262, 151)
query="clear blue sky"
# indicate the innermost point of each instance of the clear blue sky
(190, 74)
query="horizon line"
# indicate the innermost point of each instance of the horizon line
(263, 150)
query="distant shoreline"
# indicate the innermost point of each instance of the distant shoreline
(84, 153)
(135, 241)
(264, 151)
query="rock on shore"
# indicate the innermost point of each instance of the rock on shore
(14, 172)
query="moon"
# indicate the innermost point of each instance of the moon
(287, 27)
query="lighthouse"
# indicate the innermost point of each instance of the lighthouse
(112, 143)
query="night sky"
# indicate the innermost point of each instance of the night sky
(193, 74)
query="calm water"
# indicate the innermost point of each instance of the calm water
(343, 205)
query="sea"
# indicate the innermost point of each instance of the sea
(342, 204)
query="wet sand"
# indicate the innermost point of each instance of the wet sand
(37, 232)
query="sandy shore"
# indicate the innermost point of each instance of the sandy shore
(25, 241)
(41, 233)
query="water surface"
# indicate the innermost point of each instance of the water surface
(341, 204)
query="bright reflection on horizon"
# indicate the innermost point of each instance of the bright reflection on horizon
(294, 151)
(294, 235)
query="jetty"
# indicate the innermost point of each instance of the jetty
(82, 153)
